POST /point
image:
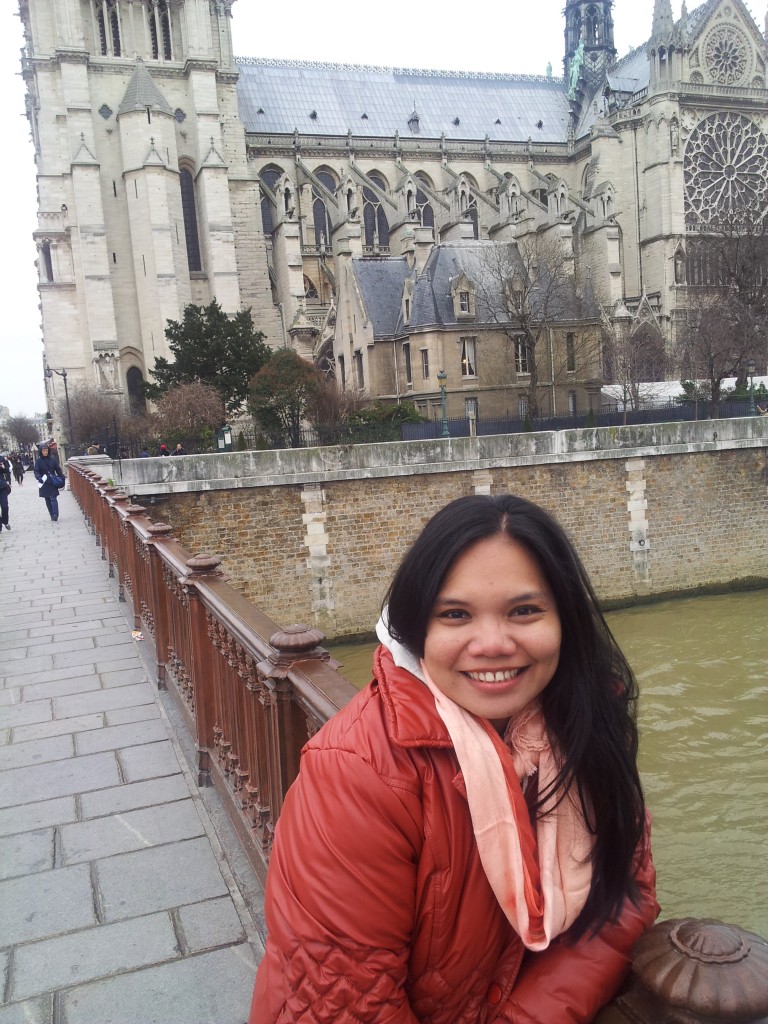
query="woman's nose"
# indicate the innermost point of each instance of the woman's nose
(493, 638)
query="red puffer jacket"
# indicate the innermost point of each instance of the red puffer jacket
(377, 905)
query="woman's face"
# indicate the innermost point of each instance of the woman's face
(493, 638)
(44, 450)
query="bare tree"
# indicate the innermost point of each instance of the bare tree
(22, 430)
(528, 292)
(634, 360)
(329, 409)
(96, 415)
(726, 271)
(188, 409)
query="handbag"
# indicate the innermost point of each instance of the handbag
(55, 479)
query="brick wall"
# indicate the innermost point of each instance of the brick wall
(322, 549)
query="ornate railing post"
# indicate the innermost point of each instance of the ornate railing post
(284, 741)
(201, 567)
(119, 502)
(129, 567)
(154, 600)
(688, 971)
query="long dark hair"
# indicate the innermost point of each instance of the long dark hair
(590, 703)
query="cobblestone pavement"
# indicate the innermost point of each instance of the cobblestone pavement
(120, 902)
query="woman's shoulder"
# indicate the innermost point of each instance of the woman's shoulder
(386, 723)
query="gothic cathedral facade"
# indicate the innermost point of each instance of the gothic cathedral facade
(390, 224)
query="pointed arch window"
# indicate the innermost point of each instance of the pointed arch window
(593, 26)
(189, 212)
(45, 252)
(108, 21)
(270, 176)
(321, 219)
(160, 30)
(375, 224)
(134, 379)
(424, 211)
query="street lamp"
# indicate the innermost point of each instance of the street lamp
(751, 371)
(49, 372)
(442, 376)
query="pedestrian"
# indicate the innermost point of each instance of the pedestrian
(164, 449)
(179, 450)
(144, 454)
(18, 468)
(478, 834)
(93, 449)
(5, 490)
(50, 476)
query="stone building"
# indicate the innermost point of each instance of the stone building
(360, 211)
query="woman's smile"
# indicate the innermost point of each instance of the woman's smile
(493, 640)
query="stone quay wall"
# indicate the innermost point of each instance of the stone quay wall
(314, 535)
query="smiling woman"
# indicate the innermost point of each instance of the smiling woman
(475, 815)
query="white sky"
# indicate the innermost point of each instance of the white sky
(427, 34)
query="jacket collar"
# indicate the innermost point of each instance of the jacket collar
(408, 705)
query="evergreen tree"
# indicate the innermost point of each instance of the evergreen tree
(210, 347)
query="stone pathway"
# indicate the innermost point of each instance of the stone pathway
(118, 903)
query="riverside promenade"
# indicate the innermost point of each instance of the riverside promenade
(124, 897)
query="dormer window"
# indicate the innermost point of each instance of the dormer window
(463, 297)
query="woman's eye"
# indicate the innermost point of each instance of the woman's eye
(453, 614)
(525, 610)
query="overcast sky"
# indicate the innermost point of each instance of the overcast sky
(425, 35)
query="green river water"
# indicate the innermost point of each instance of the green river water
(702, 667)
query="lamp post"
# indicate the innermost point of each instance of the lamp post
(751, 371)
(442, 376)
(49, 372)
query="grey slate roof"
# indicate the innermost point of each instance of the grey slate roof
(381, 285)
(283, 96)
(142, 93)
(288, 92)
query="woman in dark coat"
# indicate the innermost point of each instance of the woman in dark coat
(5, 490)
(48, 465)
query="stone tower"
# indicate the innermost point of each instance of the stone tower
(589, 40)
(141, 170)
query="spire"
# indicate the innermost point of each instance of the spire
(142, 93)
(663, 22)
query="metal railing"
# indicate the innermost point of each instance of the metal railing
(251, 693)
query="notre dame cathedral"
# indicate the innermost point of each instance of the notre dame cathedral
(397, 226)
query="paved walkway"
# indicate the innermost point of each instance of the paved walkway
(118, 904)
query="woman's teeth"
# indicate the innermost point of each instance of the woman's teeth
(495, 677)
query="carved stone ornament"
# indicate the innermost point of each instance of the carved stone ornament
(710, 969)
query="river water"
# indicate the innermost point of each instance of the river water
(702, 667)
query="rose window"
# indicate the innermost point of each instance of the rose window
(725, 169)
(726, 55)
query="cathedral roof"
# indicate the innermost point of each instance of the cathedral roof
(142, 93)
(332, 99)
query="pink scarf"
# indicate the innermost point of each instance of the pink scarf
(541, 881)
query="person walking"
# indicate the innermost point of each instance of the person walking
(5, 490)
(50, 476)
(179, 450)
(164, 449)
(18, 468)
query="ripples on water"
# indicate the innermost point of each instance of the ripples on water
(701, 666)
